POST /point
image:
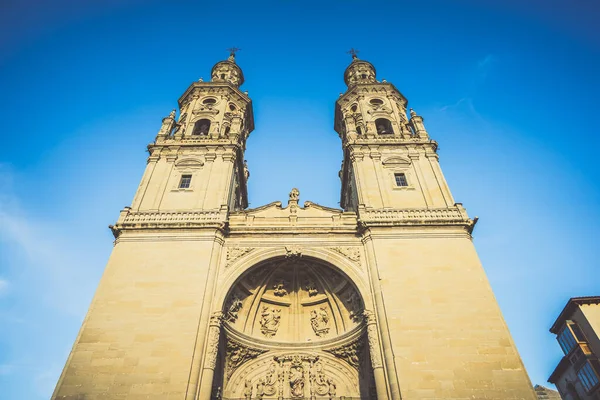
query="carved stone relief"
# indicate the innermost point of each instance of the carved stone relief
(311, 288)
(349, 352)
(269, 321)
(293, 300)
(233, 253)
(352, 253)
(212, 346)
(373, 338)
(293, 252)
(319, 320)
(234, 305)
(279, 288)
(237, 354)
(355, 306)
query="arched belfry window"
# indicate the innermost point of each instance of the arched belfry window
(201, 127)
(384, 126)
(359, 130)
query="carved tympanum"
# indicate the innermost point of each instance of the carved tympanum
(293, 300)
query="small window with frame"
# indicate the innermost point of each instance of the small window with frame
(400, 179)
(185, 181)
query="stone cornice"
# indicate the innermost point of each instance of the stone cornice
(146, 220)
(391, 140)
(312, 218)
(449, 216)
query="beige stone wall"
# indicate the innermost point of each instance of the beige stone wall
(591, 314)
(138, 338)
(374, 180)
(448, 336)
(210, 188)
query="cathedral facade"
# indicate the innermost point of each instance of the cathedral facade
(203, 298)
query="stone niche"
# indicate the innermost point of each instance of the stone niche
(293, 329)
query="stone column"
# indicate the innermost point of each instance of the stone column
(375, 354)
(212, 351)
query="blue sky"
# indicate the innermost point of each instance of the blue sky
(508, 89)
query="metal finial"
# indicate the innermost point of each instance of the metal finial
(353, 52)
(233, 50)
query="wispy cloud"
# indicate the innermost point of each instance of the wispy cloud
(4, 287)
(486, 61)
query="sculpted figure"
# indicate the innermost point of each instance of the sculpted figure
(260, 389)
(332, 388)
(297, 382)
(294, 194)
(248, 389)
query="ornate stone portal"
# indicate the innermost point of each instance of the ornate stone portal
(291, 331)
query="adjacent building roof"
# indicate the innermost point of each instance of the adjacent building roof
(543, 393)
(570, 308)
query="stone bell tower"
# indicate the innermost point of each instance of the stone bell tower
(197, 161)
(205, 299)
(148, 318)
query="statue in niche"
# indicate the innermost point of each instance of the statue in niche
(332, 388)
(260, 389)
(319, 320)
(248, 389)
(279, 288)
(297, 378)
(354, 306)
(311, 288)
(269, 321)
(246, 170)
(235, 306)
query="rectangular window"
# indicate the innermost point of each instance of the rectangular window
(401, 180)
(185, 181)
(588, 377)
(570, 336)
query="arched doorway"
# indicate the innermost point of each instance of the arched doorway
(293, 329)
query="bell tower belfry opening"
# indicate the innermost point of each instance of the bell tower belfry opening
(204, 298)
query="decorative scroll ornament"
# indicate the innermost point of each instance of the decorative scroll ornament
(212, 347)
(352, 253)
(349, 352)
(269, 321)
(237, 354)
(233, 253)
(319, 320)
